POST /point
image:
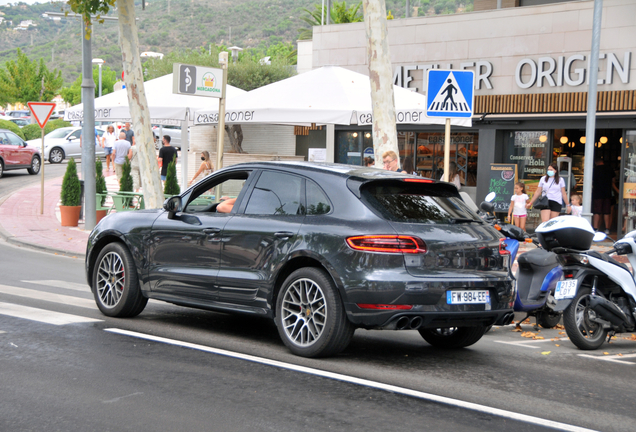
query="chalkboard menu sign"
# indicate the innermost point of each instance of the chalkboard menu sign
(502, 182)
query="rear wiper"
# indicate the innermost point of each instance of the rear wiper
(462, 220)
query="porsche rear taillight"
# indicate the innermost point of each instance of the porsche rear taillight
(387, 244)
(502, 247)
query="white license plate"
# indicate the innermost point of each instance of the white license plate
(468, 297)
(565, 289)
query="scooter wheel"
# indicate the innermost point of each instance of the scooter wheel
(579, 323)
(547, 319)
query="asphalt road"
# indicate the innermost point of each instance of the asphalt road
(84, 371)
(12, 181)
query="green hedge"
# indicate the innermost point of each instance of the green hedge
(6, 124)
(33, 130)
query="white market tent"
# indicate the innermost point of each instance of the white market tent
(327, 95)
(165, 107)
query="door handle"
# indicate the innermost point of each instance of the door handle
(284, 234)
(211, 230)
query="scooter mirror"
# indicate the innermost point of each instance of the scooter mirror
(490, 197)
(487, 207)
(599, 236)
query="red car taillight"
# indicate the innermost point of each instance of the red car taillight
(387, 244)
(502, 247)
(384, 306)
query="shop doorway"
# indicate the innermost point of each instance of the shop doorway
(570, 143)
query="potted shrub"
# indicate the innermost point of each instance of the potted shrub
(71, 196)
(171, 186)
(126, 182)
(100, 188)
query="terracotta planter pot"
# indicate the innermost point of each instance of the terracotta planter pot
(99, 215)
(70, 215)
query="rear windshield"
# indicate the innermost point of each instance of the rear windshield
(417, 202)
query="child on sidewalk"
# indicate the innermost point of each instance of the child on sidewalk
(518, 205)
(577, 205)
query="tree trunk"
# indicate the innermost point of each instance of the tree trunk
(140, 115)
(381, 78)
(235, 133)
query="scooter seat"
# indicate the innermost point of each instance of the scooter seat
(607, 258)
(539, 258)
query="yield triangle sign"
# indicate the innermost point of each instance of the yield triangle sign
(450, 93)
(41, 111)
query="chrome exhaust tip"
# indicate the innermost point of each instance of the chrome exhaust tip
(416, 323)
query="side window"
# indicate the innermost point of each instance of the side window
(203, 198)
(76, 134)
(3, 139)
(14, 139)
(276, 194)
(317, 201)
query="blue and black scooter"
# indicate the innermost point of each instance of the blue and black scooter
(537, 275)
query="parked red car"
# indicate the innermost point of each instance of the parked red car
(17, 154)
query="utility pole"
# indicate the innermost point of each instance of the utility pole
(88, 129)
(381, 79)
(590, 125)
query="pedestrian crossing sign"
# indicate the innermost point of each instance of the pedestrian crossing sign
(450, 93)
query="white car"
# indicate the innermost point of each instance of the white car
(63, 143)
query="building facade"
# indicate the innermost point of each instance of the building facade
(531, 81)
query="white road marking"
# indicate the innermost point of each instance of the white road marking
(122, 397)
(527, 343)
(42, 315)
(49, 297)
(61, 284)
(359, 381)
(611, 358)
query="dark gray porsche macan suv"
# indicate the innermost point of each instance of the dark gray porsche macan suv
(322, 249)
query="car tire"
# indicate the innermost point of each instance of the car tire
(1, 168)
(310, 316)
(583, 333)
(452, 337)
(548, 320)
(56, 155)
(115, 283)
(36, 164)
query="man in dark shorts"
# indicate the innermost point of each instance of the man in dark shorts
(166, 154)
(602, 195)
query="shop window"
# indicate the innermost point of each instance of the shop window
(463, 152)
(629, 183)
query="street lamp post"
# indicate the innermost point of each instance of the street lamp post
(99, 62)
(235, 52)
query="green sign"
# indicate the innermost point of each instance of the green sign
(502, 182)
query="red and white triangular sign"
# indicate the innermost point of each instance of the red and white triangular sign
(41, 111)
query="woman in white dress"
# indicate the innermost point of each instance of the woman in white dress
(206, 166)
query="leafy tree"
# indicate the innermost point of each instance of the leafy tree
(126, 180)
(171, 187)
(73, 93)
(26, 81)
(6, 124)
(71, 189)
(340, 14)
(248, 75)
(100, 181)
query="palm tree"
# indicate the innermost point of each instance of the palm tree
(340, 14)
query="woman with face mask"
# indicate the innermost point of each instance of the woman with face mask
(554, 187)
(206, 166)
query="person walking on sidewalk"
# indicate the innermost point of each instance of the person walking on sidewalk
(120, 151)
(206, 166)
(166, 155)
(108, 140)
(130, 134)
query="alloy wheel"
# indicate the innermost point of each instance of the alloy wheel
(585, 320)
(304, 312)
(110, 279)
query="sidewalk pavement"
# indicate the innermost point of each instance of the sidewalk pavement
(22, 224)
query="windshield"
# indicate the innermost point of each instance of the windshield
(59, 133)
(417, 203)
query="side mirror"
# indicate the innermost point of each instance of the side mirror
(487, 207)
(172, 205)
(599, 236)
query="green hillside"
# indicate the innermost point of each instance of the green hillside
(168, 25)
